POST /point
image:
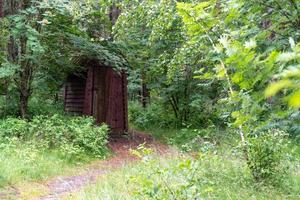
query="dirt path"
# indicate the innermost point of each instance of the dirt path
(60, 186)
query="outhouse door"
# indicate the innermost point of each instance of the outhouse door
(106, 98)
(100, 94)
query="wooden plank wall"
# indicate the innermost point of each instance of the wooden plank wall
(103, 94)
(89, 87)
(75, 94)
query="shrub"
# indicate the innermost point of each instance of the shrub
(72, 136)
(185, 178)
(179, 176)
(152, 116)
(193, 140)
(267, 153)
(45, 106)
(202, 140)
(13, 127)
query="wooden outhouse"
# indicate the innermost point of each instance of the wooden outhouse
(101, 92)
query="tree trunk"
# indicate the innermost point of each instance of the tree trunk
(25, 91)
(174, 104)
(1, 8)
(114, 14)
(186, 95)
(6, 83)
(145, 95)
(25, 80)
(16, 55)
(145, 92)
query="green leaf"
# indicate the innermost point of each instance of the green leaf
(8, 69)
(294, 100)
(274, 88)
(288, 56)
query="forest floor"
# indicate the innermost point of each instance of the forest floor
(59, 187)
(224, 173)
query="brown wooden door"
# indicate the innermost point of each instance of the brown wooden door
(99, 94)
(116, 105)
(106, 98)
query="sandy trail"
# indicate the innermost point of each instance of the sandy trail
(61, 186)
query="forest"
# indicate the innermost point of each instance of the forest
(149, 99)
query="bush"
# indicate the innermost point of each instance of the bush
(13, 127)
(194, 140)
(45, 106)
(202, 140)
(179, 176)
(267, 153)
(72, 136)
(152, 116)
(206, 177)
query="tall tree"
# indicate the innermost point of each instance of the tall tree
(25, 48)
(18, 52)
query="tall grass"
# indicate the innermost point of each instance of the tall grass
(220, 172)
(47, 146)
(24, 162)
(212, 176)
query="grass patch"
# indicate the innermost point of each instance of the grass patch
(24, 162)
(188, 140)
(209, 177)
(220, 172)
(47, 146)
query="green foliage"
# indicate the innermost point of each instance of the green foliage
(44, 41)
(104, 53)
(220, 43)
(165, 63)
(71, 136)
(45, 106)
(217, 63)
(13, 128)
(289, 77)
(200, 140)
(208, 176)
(22, 161)
(268, 157)
(153, 115)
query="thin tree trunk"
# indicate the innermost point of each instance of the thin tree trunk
(1, 8)
(25, 80)
(186, 100)
(230, 93)
(145, 92)
(174, 107)
(114, 14)
(174, 103)
(145, 95)
(6, 83)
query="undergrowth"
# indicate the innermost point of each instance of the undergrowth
(207, 176)
(21, 162)
(217, 170)
(47, 145)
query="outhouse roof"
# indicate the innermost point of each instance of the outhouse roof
(104, 53)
